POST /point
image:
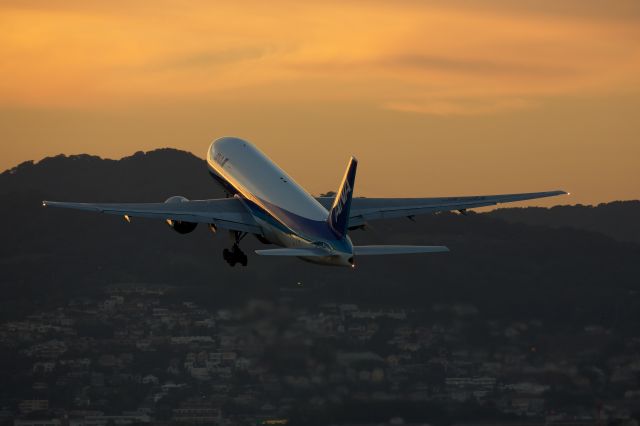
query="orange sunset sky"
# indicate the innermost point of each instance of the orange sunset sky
(433, 97)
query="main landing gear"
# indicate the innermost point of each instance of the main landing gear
(235, 255)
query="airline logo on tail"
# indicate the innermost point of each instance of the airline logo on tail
(339, 214)
(342, 198)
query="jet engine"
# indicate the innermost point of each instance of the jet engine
(181, 227)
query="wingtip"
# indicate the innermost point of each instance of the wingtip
(44, 203)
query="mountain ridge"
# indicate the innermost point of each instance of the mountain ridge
(616, 219)
(504, 267)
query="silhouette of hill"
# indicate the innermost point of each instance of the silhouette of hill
(618, 219)
(140, 177)
(502, 267)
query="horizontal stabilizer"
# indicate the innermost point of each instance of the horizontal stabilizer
(380, 250)
(296, 252)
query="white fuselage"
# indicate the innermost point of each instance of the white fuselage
(287, 214)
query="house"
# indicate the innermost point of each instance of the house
(150, 379)
(31, 405)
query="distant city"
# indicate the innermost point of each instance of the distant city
(136, 355)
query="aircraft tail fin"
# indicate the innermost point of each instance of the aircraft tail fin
(339, 213)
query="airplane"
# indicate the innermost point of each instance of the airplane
(265, 201)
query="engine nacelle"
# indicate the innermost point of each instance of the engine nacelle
(181, 227)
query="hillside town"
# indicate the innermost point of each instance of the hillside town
(137, 355)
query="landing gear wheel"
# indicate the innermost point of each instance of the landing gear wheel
(229, 257)
(235, 255)
(239, 255)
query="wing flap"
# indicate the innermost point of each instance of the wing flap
(227, 213)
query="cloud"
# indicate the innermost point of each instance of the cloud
(212, 58)
(474, 66)
(459, 107)
(434, 57)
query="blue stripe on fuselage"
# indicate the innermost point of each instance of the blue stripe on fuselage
(264, 215)
(255, 209)
(313, 229)
(288, 222)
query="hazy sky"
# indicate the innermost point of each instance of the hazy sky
(433, 97)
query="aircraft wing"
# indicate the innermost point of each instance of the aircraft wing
(227, 213)
(368, 209)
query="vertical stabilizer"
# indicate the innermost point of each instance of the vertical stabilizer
(339, 213)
